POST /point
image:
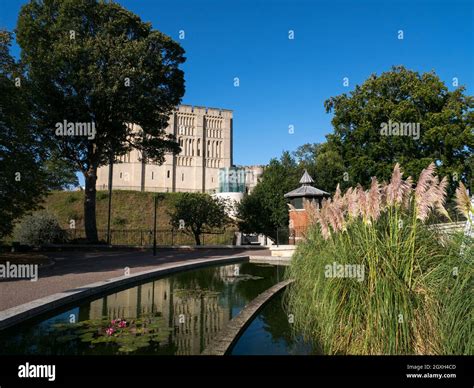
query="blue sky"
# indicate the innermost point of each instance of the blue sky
(285, 82)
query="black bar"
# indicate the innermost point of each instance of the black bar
(385, 370)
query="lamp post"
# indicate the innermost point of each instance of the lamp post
(154, 224)
(111, 169)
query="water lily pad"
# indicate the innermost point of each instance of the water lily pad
(66, 338)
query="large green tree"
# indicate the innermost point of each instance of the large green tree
(445, 119)
(23, 181)
(95, 62)
(265, 209)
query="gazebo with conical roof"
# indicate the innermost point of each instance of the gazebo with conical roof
(298, 217)
(305, 191)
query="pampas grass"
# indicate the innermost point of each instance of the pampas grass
(463, 202)
(409, 302)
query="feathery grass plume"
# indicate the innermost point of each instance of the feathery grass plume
(362, 197)
(383, 195)
(439, 204)
(323, 219)
(407, 273)
(398, 191)
(336, 218)
(312, 211)
(374, 200)
(331, 215)
(424, 181)
(337, 198)
(430, 194)
(463, 202)
(407, 195)
(353, 202)
(338, 209)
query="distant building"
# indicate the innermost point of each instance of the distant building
(204, 165)
(299, 220)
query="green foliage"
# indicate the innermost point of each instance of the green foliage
(128, 334)
(324, 163)
(195, 213)
(61, 173)
(402, 306)
(446, 119)
(22, 180)
(95, 62)
(39, 229)
(265, 209)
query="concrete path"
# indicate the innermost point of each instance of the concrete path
(75, 269)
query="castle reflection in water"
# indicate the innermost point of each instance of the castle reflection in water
(194, 315)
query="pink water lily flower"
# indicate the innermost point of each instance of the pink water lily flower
(122, 324)
(110, 331)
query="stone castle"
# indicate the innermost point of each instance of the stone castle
(205, 163)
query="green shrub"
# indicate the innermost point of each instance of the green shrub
(39, 229)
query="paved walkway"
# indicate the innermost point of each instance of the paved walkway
(75, 269)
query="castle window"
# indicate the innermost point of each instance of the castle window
(168, 174)
(152, 175)
(182, 176)
(120, 175)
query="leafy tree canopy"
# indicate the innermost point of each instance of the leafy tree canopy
(95, 62)
(196, 213)
(445, 121)
(265, 208)
(23, 181)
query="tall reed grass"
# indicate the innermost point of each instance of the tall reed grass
(416, 296)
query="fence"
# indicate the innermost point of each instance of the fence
(450, 227)
(281, 236)
(144, 237)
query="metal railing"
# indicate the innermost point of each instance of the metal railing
(144, 237)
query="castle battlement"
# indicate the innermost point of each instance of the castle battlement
(205, 137)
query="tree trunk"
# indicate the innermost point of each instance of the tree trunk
(197, 238)
(89, 205)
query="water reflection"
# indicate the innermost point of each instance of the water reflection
(271, 333)
(194, 306)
